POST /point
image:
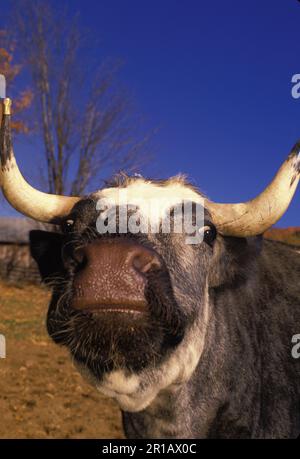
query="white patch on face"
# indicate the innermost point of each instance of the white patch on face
(136, 392)
(154, 201)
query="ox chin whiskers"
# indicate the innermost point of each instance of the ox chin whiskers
(57, 283)
(62, 303)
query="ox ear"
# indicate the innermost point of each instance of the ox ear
(45, 248)
(233, 259)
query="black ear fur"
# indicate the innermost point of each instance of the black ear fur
(46, 248)
(233, 259)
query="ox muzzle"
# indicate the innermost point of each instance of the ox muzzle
(112, 276)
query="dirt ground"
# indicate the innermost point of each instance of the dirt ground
(41, 393)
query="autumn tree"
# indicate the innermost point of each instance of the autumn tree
(11, 70)
(86, 120)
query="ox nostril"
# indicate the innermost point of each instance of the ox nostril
(145, 261)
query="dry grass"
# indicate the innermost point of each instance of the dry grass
(41, 393)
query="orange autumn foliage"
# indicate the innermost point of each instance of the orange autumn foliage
(11, 70)
(289, 235)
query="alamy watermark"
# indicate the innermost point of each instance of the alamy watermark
(146, 216)
(296, 95)
(296, 87)
(2, 347)
(296, 348)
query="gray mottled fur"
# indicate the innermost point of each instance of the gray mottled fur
(246, 385)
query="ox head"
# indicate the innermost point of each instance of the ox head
(133, 307)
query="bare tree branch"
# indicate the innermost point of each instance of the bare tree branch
(84, 132)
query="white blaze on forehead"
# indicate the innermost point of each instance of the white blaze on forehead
(153, 200)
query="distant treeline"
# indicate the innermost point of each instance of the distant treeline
(288, 235)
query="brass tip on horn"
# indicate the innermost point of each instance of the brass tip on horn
(23, 197)
(6, 106)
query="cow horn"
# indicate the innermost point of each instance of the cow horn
(23, 197)
(256, 216)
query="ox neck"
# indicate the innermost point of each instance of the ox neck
(166, 417)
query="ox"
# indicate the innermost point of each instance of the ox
(192, 340)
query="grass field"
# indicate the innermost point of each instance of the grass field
(41, 393)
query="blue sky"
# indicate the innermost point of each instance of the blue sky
(216, 76)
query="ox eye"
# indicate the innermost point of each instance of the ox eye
(68, 225)
(209, 234)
